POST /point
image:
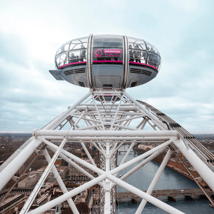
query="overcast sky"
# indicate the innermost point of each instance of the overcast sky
(32, 31)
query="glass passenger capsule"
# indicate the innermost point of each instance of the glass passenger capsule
(107, 62)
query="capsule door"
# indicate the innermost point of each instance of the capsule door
(107, 62)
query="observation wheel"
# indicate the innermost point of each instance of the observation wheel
(106, 118)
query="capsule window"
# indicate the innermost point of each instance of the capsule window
(153, 59)
(107, 49)
(135, 55)
(66, 46)
(137, 51)
(61, 59)
(77, 56)
(151, 48)
(136, 44)
(72, 53)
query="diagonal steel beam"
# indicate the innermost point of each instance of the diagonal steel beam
(154, 181)
(35, 191)
(144, 195)
(67, 195)
(60, 182)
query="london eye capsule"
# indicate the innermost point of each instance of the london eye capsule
(107, 62)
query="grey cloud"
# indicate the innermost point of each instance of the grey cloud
(184, 40)
(13, 49)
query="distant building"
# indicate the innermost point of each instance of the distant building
(58, 162)
(34, 176)
(76, 175)
(29, 181)
(145, 147)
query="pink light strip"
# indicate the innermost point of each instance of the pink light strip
(138, 63)
(97, 61)
(73, 63)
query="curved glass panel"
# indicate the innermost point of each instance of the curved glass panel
(136, 44)
(143, 53)
(137, 56)
(153, 59)
(66, 47)
(152, 48)
(72, 53)
(137, 51)
(61, 59)
(77, 55)
(108, 49)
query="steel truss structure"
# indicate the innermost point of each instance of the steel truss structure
(108, 119)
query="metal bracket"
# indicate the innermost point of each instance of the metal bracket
(35, 133)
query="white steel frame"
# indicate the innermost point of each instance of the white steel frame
(107, 125)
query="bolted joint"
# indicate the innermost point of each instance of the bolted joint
(35, 133)
(66, 137)
(39, 152)
(107, 186)
(108, 156)
(107, 190)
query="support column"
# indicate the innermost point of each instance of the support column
(203, 170)
(61, 184)
(144, 162)
(154, 181)
(67, 195)
(107, 184)
(8, 172)
(160, 125)
(126, 155)
(35, 191)
(88, 154)
(141, 194)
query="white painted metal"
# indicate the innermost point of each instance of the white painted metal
(35, 191)
(144, 162)
(72, 163)
(98, 138)
(8, 172)
(126, 155)
(98, 114)
(107, 183)
(203, 170)
(160, 125)
(144, 195)
(116, 149)
(65, 114)
(142, 133)
(75, 158)
(61, 184)
(88, 154)
(115, 116)
(107, 125)
(65, 196)
(154, 181)
(15, 154)
(139, 158)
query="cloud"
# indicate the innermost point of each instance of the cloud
(30, 36)
(186, 5)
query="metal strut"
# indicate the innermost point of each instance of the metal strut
(108, 119)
